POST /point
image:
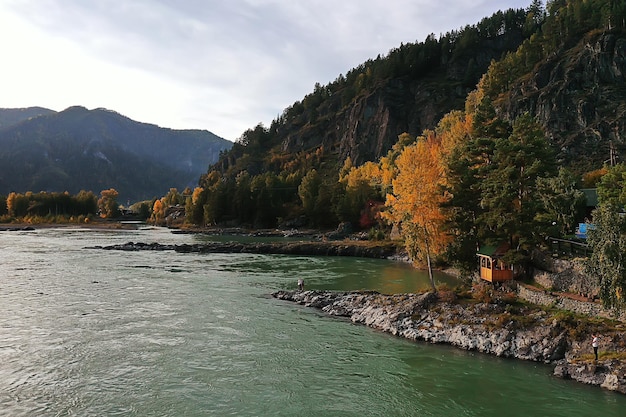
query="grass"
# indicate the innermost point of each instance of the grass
(602, 356)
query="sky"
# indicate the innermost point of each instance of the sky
(218, 65)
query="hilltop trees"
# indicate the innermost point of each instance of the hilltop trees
(486, 174)
(327, 127)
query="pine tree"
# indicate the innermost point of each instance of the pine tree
(509, 192)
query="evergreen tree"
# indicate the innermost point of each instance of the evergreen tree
(562, 201)
(509, 192)
(612, 186)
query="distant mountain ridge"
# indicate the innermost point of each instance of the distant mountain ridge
(80, 149)
(9, 117)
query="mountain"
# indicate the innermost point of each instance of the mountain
(563, 64)
(360, 115)
(10, 117)
(80, 149)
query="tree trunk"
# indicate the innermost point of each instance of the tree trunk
(430, 267)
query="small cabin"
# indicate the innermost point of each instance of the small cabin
(492, 267)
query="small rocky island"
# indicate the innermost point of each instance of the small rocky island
(378, 250)
(500, 326)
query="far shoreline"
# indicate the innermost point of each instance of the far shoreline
(95, 224)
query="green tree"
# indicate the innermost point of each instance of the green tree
(308, 192)
(173, 198)
(266, 208)
(563, 202)
(509, 192)
(317, 196)
(194, 210)
(242, 198)
(214, 205)
(464, 208)
(143, 209)
(607, 241)
(86, 203)
(611, 188)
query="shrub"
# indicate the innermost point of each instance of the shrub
(376, 234)
(482, 292)
(445, 293)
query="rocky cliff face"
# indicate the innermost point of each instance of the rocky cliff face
(366, 128)
(578, 94)
(373, 123)
(482, 327)
(580, 97)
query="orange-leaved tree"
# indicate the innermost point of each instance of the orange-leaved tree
(107, 203)
(417, 198)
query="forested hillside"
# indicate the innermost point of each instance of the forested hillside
(356, 118)
(94, 150)
(10, 117)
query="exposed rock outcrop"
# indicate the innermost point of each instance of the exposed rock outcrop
(366, 250)
(483, 327)
(578, 97)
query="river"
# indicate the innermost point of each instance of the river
(87, 332)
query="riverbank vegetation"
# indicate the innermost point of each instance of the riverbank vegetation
(59, 208)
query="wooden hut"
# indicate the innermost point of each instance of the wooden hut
(492, 267)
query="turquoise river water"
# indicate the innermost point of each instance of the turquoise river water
(87, 332)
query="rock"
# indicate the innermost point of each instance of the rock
(343, 231)
(562, 371)
(382, 250)
(611, 382)
(570, 93)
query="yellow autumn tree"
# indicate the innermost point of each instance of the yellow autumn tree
(417, 198)
(107, 203)
(387, 165)
(158, 211)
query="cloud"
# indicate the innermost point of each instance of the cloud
(218, 65)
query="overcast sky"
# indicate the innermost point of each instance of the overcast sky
(219, 65)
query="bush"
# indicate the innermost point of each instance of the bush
(482, 292)
(445, 293)
(376, 234)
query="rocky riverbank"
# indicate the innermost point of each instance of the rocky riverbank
(382, 250)
(496, 328)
